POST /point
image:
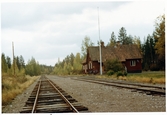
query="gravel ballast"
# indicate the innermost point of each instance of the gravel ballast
(98, 98)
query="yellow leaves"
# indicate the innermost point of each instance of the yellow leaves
(159, 36)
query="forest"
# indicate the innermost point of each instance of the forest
(152, 50)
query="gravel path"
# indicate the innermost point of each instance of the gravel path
(98, 98)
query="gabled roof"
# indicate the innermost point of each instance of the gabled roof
(121, 52)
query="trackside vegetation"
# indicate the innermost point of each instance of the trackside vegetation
(17, 76)
(153, 77)
(12, 86)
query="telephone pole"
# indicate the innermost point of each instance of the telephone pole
(99, 44)
(13, 58)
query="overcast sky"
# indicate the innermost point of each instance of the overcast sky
(51, 30)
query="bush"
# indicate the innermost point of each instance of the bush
(125, 73)
(154, 67)
(114, 65)
(120, 73)
(110, 72)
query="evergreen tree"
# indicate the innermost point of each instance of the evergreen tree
(18, 63)
(123, 38)
(112, 40)
(129, 40)
(149, 57)
(3, 63)
(122, 35)
(8, 61)
(21, 60)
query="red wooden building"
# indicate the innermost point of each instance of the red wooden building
(129, 55)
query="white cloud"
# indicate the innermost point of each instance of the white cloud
(48, 31)
(134, 13)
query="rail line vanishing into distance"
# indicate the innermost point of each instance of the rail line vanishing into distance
(47, 97)
(135, 87)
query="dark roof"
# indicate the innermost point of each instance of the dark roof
(121, 52)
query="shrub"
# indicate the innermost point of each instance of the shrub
(125, 73)
(154, 67)
(110, 72)
(114, 65)
(120, 73)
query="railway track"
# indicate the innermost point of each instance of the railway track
(135, 87)
(47, 97)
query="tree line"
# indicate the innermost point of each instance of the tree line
(71, 64)
(152, 49)
(17, 67)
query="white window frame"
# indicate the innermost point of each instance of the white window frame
(133, 63)
(90, 65)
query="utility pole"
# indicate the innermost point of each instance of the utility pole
(99, 44)
(13, 58)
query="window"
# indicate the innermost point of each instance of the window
(133, 63)
(90, 65)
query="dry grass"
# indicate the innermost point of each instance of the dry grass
(106, 76)
(148, 77)
(12, 86)
(144, 77)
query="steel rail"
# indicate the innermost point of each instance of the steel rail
(36, 98)
(64, 98)
(124, 86)
(135, 84)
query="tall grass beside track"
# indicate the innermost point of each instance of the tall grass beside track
(148, 77)
(12, 86)
(144, 77)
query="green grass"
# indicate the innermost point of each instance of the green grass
(157, 74)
